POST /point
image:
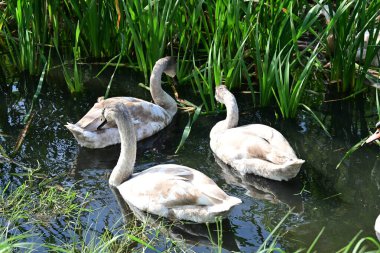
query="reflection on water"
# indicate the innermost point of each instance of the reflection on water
(276, 192)
(345, 199)
(201, 236)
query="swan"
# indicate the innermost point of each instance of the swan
(374, 136)
(254, 148)
(370, 139)
(168, 190)
(148, 118)
(377, 227)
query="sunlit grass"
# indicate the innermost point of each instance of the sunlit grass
(236, 43)
(350, 21)
(148, 27)
(38, 202)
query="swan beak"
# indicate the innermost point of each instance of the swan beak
(102, 124)
(373, 137)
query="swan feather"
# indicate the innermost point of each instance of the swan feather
(148, 119)
(254, 148)
(176, 191)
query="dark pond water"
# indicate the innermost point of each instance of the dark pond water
(344, 201)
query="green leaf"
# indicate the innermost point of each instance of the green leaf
(186, 131)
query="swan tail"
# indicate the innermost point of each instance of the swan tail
(225, 206)
(74, 129)
(266, 169)
(83, 137)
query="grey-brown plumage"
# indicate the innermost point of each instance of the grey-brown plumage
(148, 118)
(255, 148)
(169, 190)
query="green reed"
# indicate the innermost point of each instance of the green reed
(357, 245)
(148, 26)
(277, 54)
(239, 43)
(289, 87)
(74, 79)
(30, 20)
(268, 36)
(231, 24)
(346, 32)
(9, 243)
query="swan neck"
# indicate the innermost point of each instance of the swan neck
(124, 167)
(232, 117)
(160, 97)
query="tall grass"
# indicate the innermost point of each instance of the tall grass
(232, 26)
(239, 43)
(347, 28)
(9, 243)
(30, 20)
(277, 56)
(148, 25)
(289, 88)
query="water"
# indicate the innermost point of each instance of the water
(344, 201)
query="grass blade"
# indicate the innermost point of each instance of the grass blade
(186, 131)
(316, 119)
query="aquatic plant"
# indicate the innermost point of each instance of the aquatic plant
(236, 43)
(278, 58)
(38, 202)
(148, 28)
(73, 77)
(364, 244)
(289, 88)
(349, 24)
(9, 243)
(32, 21)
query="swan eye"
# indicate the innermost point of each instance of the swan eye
(103, 120)
(102, 124)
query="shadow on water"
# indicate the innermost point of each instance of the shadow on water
(107, 157)
(345, 199)
(288, 193)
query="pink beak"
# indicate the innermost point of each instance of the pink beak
(374, 137)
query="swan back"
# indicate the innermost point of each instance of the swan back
(177, 192)
(148, 119)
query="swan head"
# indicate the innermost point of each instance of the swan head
(220, 93)
(376, 135)
(171, 66)
(109, 113)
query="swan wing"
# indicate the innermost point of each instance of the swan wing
(252, 141)
(268, 134)
(171, 186)
(148, 119)
(139, 109)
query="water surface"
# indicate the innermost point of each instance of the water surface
(344, 201)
